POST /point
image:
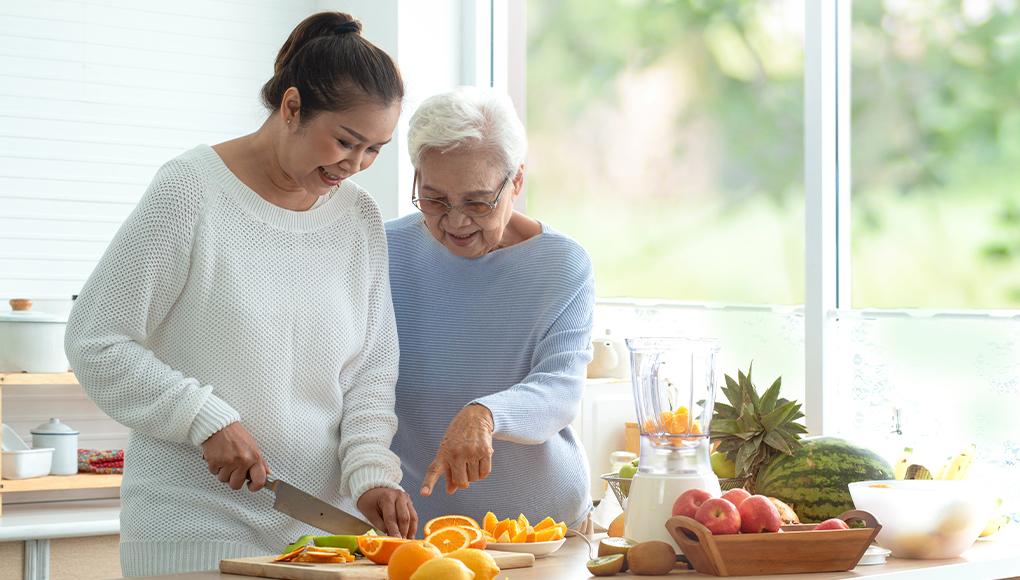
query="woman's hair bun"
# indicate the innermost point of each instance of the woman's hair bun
(351, 26)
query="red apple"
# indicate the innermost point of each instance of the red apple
(736, 496)
(719, 515)
(689, 502)
(832, 524)
(758, 514)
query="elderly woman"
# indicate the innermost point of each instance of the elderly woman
(494, 315)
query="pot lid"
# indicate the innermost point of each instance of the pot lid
(54, 427)
(21, 311)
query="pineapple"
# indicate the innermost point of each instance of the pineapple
(751, 429)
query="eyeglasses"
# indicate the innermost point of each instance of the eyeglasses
(472, 209)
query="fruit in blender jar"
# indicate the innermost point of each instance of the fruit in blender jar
(719, 516)
(758, 514)
(651, 558)
(833, 524)
(688, 502)
(736, 496)
(606, 565)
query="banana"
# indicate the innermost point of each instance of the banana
(959, 465)
(903, 462)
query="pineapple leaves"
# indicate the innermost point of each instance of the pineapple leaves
(754, 429)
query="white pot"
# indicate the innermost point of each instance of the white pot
(64, 441)
(31, 342)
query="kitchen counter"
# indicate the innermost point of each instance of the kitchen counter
(999, 558)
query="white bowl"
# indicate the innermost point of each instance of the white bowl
(26, 463)
(539, 549)
(925, 519)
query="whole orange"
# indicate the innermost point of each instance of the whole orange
(407, 558)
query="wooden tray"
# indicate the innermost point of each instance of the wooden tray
(797, 549)
(264, 567)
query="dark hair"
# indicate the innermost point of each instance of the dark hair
(333, 67)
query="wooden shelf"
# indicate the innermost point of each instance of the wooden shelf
(61, 482)
(11, 379)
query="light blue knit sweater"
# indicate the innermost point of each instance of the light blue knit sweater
(510, 330)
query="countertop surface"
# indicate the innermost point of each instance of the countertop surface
(59, 519)
(998, 558)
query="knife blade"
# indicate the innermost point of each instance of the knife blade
(313, 511)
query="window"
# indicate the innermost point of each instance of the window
(936, 154)
(667, 138)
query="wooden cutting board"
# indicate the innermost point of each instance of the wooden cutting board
(263, 567)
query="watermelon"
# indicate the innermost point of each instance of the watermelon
(814, 479)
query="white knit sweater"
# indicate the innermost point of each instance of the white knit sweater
(212, 305)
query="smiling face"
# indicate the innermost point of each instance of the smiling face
(332, 146)
(461, 175)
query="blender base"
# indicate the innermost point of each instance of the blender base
(650, 503)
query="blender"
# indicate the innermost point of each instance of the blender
(674, 383)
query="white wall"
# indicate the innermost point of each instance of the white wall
(95, 95)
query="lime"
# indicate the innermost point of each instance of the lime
(606, 565)
(349, 542)
(302, 541)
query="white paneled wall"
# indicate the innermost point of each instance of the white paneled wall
(95, 96)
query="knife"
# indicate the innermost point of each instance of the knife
(313, 511)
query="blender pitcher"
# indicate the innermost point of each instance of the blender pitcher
(674, 383)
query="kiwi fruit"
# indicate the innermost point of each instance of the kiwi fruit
(606, 565)
(610, 546)
(651, 558)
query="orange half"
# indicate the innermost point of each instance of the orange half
(449, 539)
(448, 522)
(379, 548)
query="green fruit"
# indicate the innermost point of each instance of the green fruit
(722, 466)
(616, 546)
(814, 479)
(628, 471)
(606, 565)
(302, 541)
(349, 542)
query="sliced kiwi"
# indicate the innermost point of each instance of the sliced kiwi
(611, 546)
(606, 565)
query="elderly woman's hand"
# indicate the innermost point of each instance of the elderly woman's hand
(465, 454)
(390, 511)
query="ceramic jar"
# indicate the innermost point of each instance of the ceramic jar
(31, 342)
(64, 441)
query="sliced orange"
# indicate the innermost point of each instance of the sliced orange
(379, 548)
(478, 539)
(563, 529)
(503, 538)
(447, 522)
(522, 522)
(506, 526)
(548, 522)
(449, 539)
(489, 522)
(527, 534)
(547, 535)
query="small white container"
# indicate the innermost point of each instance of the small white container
(26, 463)
(64, 441)
(31, 342)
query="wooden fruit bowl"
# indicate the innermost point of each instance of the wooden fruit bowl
(797, 549)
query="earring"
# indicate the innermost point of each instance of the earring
(288, 121)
